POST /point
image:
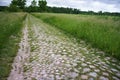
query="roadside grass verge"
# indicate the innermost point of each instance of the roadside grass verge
(10, 33)
(102, 32)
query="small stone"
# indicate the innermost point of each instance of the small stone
(102, 69)
(86, 70)
(83, 64)
(118, 67)
(103, 78)
(105, 67)
(59, 51)
(74, 64)
(73, 74)
(57, 73)
(88, 62)
(64, 53)
(114, 70)
(70, 55)
(64, 50)
(118, 74)
(114, 60)
(62, 61)
(52, 55)
(76, 70)
(43, 72)
(57, 62)
(108, 58)
(91, 79)
(58, 77)
(84, 77)
(94, 61)
(97, 70)
(105, 74)
(82, 59)
(57, 70)
(93, 74)
(79, 68)
(45, 75)
(91, 66)
(115, 78)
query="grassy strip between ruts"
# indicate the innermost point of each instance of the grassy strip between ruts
(102, 32)
(10, 33)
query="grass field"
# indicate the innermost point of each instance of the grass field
(10, 27)
(102, 32)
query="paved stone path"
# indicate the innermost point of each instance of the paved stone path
(52, 55)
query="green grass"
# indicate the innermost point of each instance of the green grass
(102, 32)
(10, 33)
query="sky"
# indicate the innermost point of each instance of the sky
(83, 5)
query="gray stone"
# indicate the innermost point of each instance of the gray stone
(103, 78)
(97, 70)
(84, 77)
(58, 77)
(88, 62)
(83, 64)
(114, 60)
(93, 74)
(74, 64)
(105, 74)
(91, 79)
(91, 66)
(114, 70)
(68, 65)
(76, 70)
(118, 74)
(82, 59)
(73, 74)
(115, 78)
(65, 53)
(86, 70)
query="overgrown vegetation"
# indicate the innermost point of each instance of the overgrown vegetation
(102, 32)
(10, 27)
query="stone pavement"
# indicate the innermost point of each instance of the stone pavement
(55, 56)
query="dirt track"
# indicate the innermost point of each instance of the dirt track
(47, 54)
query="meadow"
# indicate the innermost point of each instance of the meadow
(102, 32)
(10, 33)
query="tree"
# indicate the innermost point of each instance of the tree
(33, 6)
(17, 4)
(42, 5)
(21, 4)
(33, 3)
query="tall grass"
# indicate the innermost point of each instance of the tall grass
(102, 32)
(10, 26)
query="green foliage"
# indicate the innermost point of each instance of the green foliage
(10, 27)
(33, 3)
(17, 5)
(13, 8)
(102, 32)
(42, 5)
(33, 7)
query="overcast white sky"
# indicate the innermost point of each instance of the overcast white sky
(84, 5)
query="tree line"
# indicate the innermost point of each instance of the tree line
(20, 5)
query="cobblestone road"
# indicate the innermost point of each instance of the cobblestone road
(52, 55)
